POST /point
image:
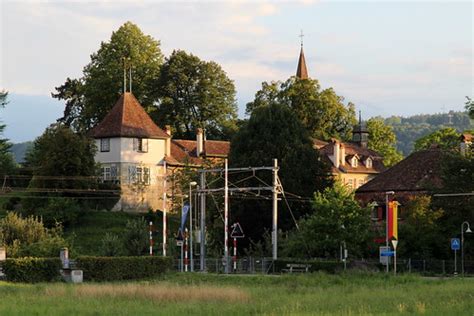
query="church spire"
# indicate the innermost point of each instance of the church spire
(302, 71)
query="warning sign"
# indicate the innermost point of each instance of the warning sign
(237, 231)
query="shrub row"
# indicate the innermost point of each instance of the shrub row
(315, 265)
(32, 270)
(122, 268)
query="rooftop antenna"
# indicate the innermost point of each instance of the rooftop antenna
(301, 36)
(124, 75)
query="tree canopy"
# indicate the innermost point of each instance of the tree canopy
(445, 138)
(7, 164)
(322, 112)
(195, 93)
(470, 107)
(274, 131)
(382, 139)
(336, 218)
(89, 98)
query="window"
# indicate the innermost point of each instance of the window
(139, 175)
(109, 173)
(361, 182)
(349, 183)
(368, 163)
(354, 162)
(140, 145)
(104, 144)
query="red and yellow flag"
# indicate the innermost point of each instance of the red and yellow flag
(393, 220)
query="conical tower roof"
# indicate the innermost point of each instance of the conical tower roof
(302, 71)
(128, 119)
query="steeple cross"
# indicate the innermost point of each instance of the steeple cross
(301, 36)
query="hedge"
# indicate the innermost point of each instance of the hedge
(122, 268)
(32, 270)
(315, 265)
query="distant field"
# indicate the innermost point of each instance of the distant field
(179, 294)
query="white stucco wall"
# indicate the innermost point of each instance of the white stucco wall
(156, 151)
(109, 156)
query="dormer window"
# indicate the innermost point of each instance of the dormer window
(140, 145)
(104, 144)
(354, 162)
(368, 163)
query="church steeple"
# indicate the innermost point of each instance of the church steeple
(360, 133)
(302, 71)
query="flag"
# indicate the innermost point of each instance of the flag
(393, 220)
(184, 215)
(390, 219)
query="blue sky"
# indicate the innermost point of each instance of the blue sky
(389, 58)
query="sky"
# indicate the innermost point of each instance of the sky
(387, 57)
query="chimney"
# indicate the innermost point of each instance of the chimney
(335, 153)
(199, 142)
(343, 155)
(168, 141)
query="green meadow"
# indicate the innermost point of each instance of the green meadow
(210, 294)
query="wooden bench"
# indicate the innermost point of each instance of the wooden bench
(296, 268)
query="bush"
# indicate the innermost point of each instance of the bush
(326, 266)
(122, 268)
(28, 237)
(135, 237)
(32, 270)
(111, 246)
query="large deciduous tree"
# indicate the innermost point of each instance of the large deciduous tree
(336, 218)
(321, 111)
(445, 138)
(382, 139)
(195, 93)
(89, 98)
(470, 107)
(274, 131)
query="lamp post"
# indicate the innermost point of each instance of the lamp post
(191, 184)
(468, 230)
(386, 223)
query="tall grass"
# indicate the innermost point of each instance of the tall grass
(207, 294)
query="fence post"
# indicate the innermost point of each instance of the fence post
(424, 266)
(409, 265)
(444, 268)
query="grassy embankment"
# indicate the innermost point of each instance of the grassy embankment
(314, 294)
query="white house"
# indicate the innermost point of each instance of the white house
(139, 156)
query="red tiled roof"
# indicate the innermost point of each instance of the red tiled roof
(466, 137)
(184, 151)
(351, 150)
(419, 171)
(127, 119)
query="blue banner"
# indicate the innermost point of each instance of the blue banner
(184, 216)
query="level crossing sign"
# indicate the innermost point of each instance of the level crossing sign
(455, 244)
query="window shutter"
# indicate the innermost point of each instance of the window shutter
(135, 144)
(145, 145)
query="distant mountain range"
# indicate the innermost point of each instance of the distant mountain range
(409, 129)
(19, 151)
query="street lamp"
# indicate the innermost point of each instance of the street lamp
(191, 184)
(468, 230)
(386, 222)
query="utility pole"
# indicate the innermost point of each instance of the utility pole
(226, 217)
(164, 210)
(275, 209)
(203, 223)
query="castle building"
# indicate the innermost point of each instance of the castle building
(140, 157)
